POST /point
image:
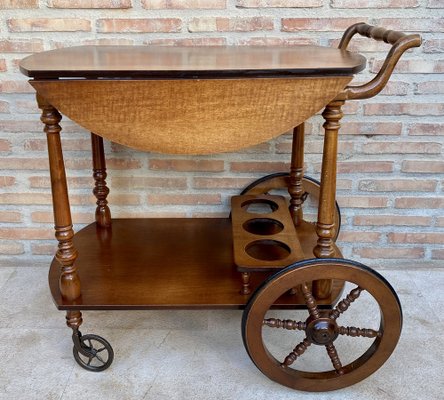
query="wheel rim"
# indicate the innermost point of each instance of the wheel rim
(380, 348)
(98, 353)
(280, 180)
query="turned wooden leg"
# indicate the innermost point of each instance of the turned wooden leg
(66, 254)
(101, 191)
(246, 283)
(325, 224)
(295, 188)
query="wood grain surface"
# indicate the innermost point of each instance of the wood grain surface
(190, 62)
(199, 116)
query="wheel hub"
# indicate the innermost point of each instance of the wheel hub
(321, 331)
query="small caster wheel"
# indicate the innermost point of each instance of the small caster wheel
(322, 350)
(95, 353)
(280, 180)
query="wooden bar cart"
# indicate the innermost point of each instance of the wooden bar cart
(266, 256)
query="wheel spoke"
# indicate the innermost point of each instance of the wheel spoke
(99, 350)
(344, 304)
(100, 359)
(310, 301)
(297, 352)
(333, 354)
(363, 332)
(285, 324)
(89, 361)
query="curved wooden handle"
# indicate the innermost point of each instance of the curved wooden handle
(400, 43)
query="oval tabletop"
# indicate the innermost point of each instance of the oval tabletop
(161, 61)
(190, 100)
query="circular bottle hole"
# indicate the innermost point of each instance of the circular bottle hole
(268, 250)
(259, 206)
(263, 226)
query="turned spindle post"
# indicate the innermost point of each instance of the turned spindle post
(325, 226)
(66, 254)
(295, 188)
(101, 191)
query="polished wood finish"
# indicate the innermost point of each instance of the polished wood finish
(198, 116)
(164, 263)
(325, 226)
(101, 191)
(400, 44)
(190, 62)
(69, 283)
(295, 185)
(249, 228)
(321, 329)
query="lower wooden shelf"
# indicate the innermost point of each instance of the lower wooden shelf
(154, 263)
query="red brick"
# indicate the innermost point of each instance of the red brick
(362, 202)
(187, 165)
(318, 24)
(143, 182)
(100, 41)
(396, 89)
(19, 4)
(11, 248)
(427, 237)
(435, 4)
(67, 144)
(7, 181)
(220, 183)
(122, 163)
(89, 4)
(258, 166)
(21, 45)
(25, 198)
(279, 3)
(425, 129)
(374, 3)
(203, 41)
(362, 45)
(350, 167)
(188, 199)
(5, 145)
(38, 182)
(3, 68)
(389, 252)
(4, 106)
(438, 254)
(124, 199)
(402, 148)
(49, 25)
(397, 185)
(440, 221)
(26, 233)
(277, 41)
(48, 217)
(183, 4)
(391, 220)
(23, 163)
(370, 129)
(413, 24)
(413, 66)
(430, 87)
(43, 249)
(21, 126)
(140, 25)
(10, 216)
(424, 167)
(359, 236)
(433, 46)
(316, 147)
(233, 24)
(16, 87)
(420, 202)
(393, 109)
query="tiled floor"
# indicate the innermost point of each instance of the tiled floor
(193, 354)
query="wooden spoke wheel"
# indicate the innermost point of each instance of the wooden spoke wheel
(96, 354)
(327, 334)
(280, 180)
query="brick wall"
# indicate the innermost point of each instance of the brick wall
(391, 154)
